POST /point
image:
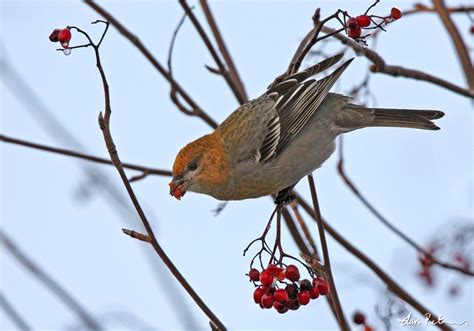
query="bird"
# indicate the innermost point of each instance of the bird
(268, 144)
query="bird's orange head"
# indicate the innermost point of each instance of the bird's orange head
(201, 166)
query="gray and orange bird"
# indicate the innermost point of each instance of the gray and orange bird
(268, 144)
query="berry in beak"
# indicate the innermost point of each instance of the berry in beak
(177, 187)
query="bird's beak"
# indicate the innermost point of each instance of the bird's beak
(178, 187)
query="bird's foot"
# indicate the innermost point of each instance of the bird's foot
(285, 197)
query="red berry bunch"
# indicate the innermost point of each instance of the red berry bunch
(355, 25)
(63, 36)
(295, 293)
(426, 261)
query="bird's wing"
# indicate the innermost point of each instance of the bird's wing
(296, 100)
(260, 129)
(244, 131)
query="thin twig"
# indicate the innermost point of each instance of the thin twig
(421, 8)
(234, 74)
(137, 235)
(386, 222)
(113, 196)
(327, 262)
(312, 39)
(195, 109)
(25, 143)
(304, 227)
(459, 44)
(14, 315)
(304, 250)
(49, 282)
(173, 40)
(391, 284)
(104, 124)
(139, 177)
(397, 71)
(225, 73)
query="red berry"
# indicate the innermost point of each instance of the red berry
(272, 290)
(267, 300)
(472, 29)
(352, 23)
(273, 268)
(395, 13)
(314, 293)
(292, 273)
(427, 275)
(359, 318)
(281, 308)
(292, 290)
(354, 33)
(323, 287)
(305, 285)
(266, 278)
(258, 293)
(303, 298)
(64, 37)
(425, 260)
(363, 21)
(315, 281)
(254, 275)
(54, 35)
(276, 271)
(293, 304)
(280, 296)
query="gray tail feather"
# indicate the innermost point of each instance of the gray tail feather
(402, 118)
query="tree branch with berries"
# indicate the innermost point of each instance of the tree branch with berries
(277, 278)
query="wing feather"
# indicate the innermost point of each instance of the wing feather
(298, 99)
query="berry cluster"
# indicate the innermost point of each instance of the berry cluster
(355, 25)
(295, 294)
(63, 36)
(426, 261)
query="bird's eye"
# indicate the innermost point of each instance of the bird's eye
(192, 166)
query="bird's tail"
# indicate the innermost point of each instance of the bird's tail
(354, 117)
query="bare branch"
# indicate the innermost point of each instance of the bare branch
(104, 124)
(196, 110)
(139, 177)
(14, 315)
(225, 73)
(456, 38)
(304, 250)
(327, 262)
(49, 282)
(62, 151)
(391, 284)
(137, 235)
(397, 71)
(421, 8)
(234, 75)
(304, 228)
(386, 222)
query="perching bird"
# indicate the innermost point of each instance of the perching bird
(268, 144)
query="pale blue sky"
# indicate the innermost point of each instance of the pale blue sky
(421, 180)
